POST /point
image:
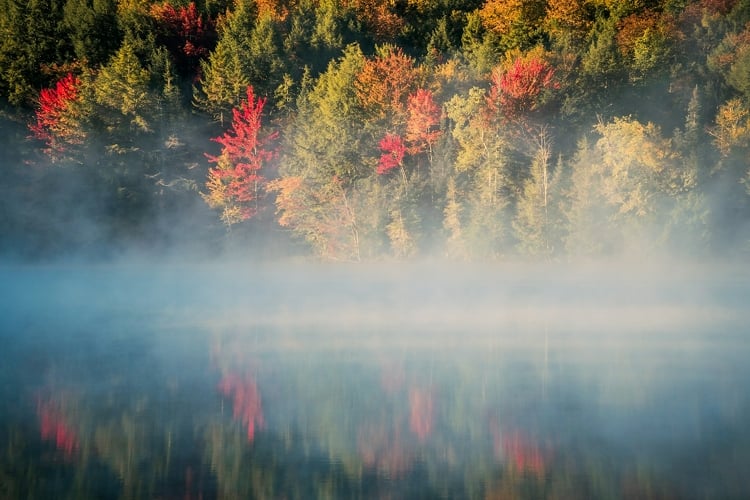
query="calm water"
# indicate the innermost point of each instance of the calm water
(201, 382)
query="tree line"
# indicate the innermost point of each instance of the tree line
(369, 129)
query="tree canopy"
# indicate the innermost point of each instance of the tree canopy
(462, 129)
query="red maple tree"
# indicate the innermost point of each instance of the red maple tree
(518, 89)
(393, 149)
(237, 178)
(55, 121)
(423, 118)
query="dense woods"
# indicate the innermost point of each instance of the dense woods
(361, 129)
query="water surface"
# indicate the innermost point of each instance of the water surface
(167, 382)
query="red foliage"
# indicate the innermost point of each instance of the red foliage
(517, 90)
(521, 453)
(246, 402)
(184, 32)
(423, 120)
(244, 148)
(393, 149)
(54, 428)
(51, 125)
(421, 416)
(524, 454)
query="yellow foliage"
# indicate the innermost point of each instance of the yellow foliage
(499, 16)
(732, 128)
(567, 16)
(138, 6)
(637, 165)
(402, 242)
(288, 200)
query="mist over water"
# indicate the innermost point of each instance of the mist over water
(427, 380)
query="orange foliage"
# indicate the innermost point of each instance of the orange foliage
(385, 82)
(275, 9)
(633, 27)
(502, 16)
(378, 18)
(288, 201)
(499, 16)
(567, 16)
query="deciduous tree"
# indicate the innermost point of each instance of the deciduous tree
(516, 22)
(58, 117)
(521, 88)
(237, 181)
(422, 122)
(187, 34)
(385, 82)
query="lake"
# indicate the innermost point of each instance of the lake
(204, 381)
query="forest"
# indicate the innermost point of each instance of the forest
(359, 130)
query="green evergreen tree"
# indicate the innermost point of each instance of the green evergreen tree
(92, 28)
(29, 42)
(223, 80)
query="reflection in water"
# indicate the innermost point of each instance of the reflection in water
(54, 428)
(159, 402)
(246, 404)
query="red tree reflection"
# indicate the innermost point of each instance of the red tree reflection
(421, 415)
(246, 403)
(522, 453)
(54, 428)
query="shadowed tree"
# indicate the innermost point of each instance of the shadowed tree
(187, 34)
(225, 75)
(29, 42)
(92, 28)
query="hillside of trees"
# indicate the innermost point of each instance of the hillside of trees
(376, 129)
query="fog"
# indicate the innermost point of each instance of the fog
(427, 377)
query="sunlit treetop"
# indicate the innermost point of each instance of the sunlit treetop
(385, 82)
(57, 120)
(422, 125)
(236, 181)
(519, 88)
